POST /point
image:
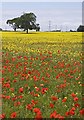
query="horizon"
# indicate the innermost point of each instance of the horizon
(59, 14)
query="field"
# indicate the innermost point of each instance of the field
(42, 75)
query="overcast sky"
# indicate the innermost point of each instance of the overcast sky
(63, 15)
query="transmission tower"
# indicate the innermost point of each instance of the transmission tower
(55, 27)
(49, 25)
(66, 28)
(61, 27)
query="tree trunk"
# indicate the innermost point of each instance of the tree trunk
(14, 29)
(27, 31)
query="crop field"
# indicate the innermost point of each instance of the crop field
(42, 75)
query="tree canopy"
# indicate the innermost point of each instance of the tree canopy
(27, 21)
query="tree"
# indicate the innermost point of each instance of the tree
(26, 21)
(37, 27)
(0, 29)
(14, 23)
(80, 28)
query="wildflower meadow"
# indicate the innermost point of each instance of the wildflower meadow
(42, 75)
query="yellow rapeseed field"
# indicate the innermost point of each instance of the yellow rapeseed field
(21, 41)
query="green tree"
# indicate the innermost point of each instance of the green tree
(80, 28)
(14, 23)
(26, 21)
(37, 27)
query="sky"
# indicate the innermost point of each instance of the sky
(60, 15)
(42, 1)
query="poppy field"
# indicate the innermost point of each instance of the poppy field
(42, 75)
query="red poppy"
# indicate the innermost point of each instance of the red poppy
(38, 117)
(77, 105)
(61, 117)
(7, 85)
(36, 110)
(12, 89)
(76, 99)
(51, 105)
(29, 106)
(7, 97)
(17, 103)
(48, 75)
(37, 89)
(2, 79)
(73, 95)
(53, 115)
(13, 59)
(71, 112)
(67, 113)
(34, 102)
(14, 80)
(44, 90)
(35, 78)
(14, 98)
(73, 109)
(64, 100)
(5, 67)
(55, 66)
(20, 96)
(13, 115)
(2, 116)
(54, 98)
(20, 90)
(57, 76)
(58, 51)
(82, 112)
(36, 95)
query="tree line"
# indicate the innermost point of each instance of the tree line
(27, 21)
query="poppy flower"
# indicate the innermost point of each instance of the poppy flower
(12, 89)
(13, 115)
(51, 105)
(35, 78)
(7, 97)
(67, 113)
(44, 90)
(82, 112)
(38, 117)
(73, 95)
(29, 107)
(17, 103)
(54, 98)
(20, 96)
(77, 105)
(20, 90)
(76, 99)
(2, 116)
(71, 112)
(36, 110)
(73, 109)
(34, 102)
(64, 100)
(53, 115)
